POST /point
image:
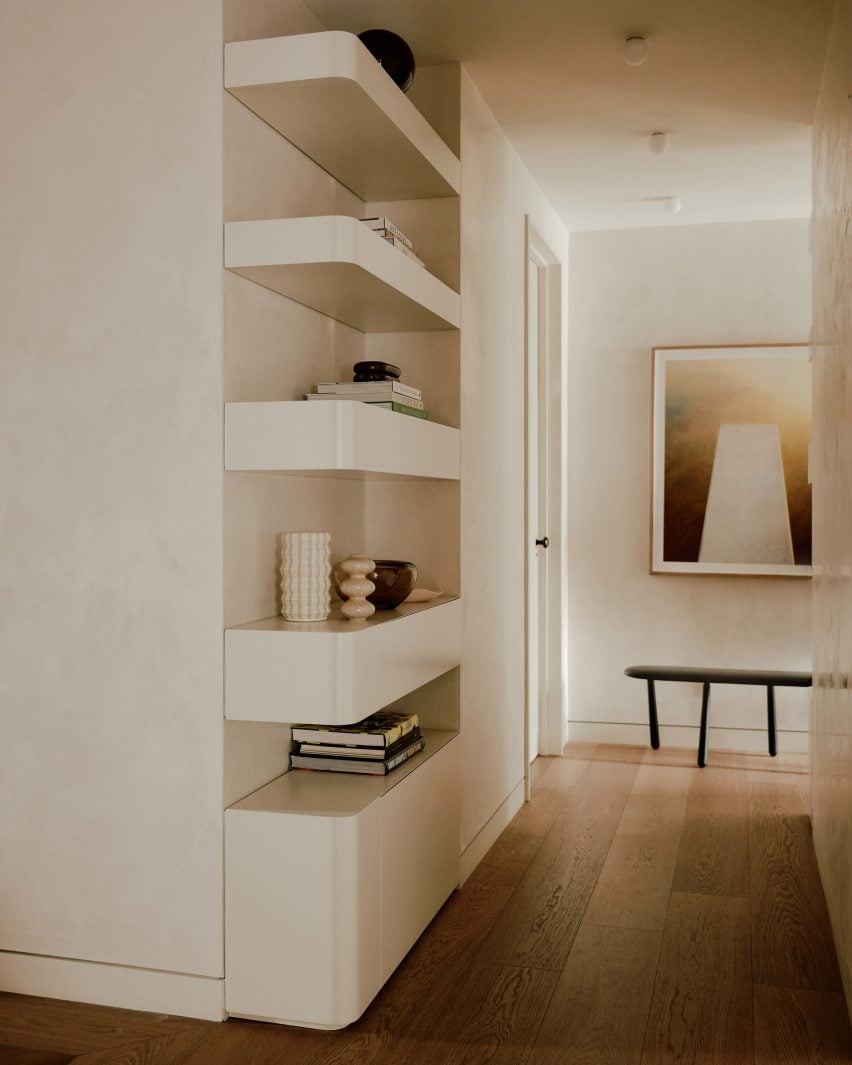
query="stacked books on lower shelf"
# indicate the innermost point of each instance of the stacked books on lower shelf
(376, 745)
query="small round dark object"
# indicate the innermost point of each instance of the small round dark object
(392, 54)
(377, 367)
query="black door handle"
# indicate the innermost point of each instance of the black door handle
(543, 542)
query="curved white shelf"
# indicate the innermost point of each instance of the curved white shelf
(300, 791)
(336, 672)
(337, 438)
(326, 94)
(340, 267)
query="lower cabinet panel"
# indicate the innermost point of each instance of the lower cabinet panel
(321, 907)
(302, 916)
(420, 853)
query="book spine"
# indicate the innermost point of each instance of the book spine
(368, 397)
(354, 388)
(401, 408)
(403, 756)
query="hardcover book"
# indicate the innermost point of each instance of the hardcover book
(348, 750)
(381, 729)
(381, 223)
(342, 388)
(376, 395)
(377, 768)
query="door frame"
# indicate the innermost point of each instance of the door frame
(552, 729)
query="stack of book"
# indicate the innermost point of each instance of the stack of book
(375, 383)
(375, 745)
(395, 237)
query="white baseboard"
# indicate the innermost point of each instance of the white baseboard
(485, 838)
(723, 739)
(113, 985)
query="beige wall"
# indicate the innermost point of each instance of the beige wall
(110, 437)
(631, 290)
(497, 193)
(832, 717)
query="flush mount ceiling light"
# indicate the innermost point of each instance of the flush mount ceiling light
(635, 51)
(658, 142)
(672, 205)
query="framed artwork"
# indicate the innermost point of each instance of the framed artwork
(731, 431)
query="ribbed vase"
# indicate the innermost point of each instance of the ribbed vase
(305, 576)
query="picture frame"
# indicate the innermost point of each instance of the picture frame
(730, 491)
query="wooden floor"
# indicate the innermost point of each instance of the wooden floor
(637, 911)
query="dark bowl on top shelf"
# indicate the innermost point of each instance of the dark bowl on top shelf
(392, 54)
(393, 579)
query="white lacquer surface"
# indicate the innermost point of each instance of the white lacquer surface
(338, 266)
(326, 94)
(325, 895)
(341, 436)
(832, 477)
(337, 671)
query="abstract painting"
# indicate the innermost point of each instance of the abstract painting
(731, 431)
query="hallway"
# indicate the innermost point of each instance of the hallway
(637, 911)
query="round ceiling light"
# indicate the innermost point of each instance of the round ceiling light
(635, 51)
(658, 142)
(672, 205)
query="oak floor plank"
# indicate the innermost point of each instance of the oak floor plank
(162, 1050)
(504, 1009)
(743, 760)
(701, 1010)
(792, 942)
(10, 1055)
(793, 1026)
(599, 1010)
(79, 1027)
(238, 1042)
(713, 855)
(635, 882)
(537, 928)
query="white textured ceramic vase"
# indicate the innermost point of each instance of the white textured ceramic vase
(305, 576)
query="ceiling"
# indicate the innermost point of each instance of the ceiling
(733, 82)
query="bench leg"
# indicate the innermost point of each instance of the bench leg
(770, 720)
(653, 724)
(702, 735)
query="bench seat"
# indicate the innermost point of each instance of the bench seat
(768, 678)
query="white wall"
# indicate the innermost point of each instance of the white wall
(832, 718)
(629, 291)
(110, 436)
(497, 193)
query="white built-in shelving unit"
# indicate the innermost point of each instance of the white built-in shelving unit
(331, 877)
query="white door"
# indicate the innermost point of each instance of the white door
(536, 504)
(545, 554)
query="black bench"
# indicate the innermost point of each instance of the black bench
(771, 678)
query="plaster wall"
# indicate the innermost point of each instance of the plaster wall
(497, 194)
(110, 437)
(631, 290)
(832, 716)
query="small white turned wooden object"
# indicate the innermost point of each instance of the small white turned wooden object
(356, 587)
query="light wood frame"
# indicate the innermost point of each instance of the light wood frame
(662, 356)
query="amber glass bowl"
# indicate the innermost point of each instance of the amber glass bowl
(393, 580)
